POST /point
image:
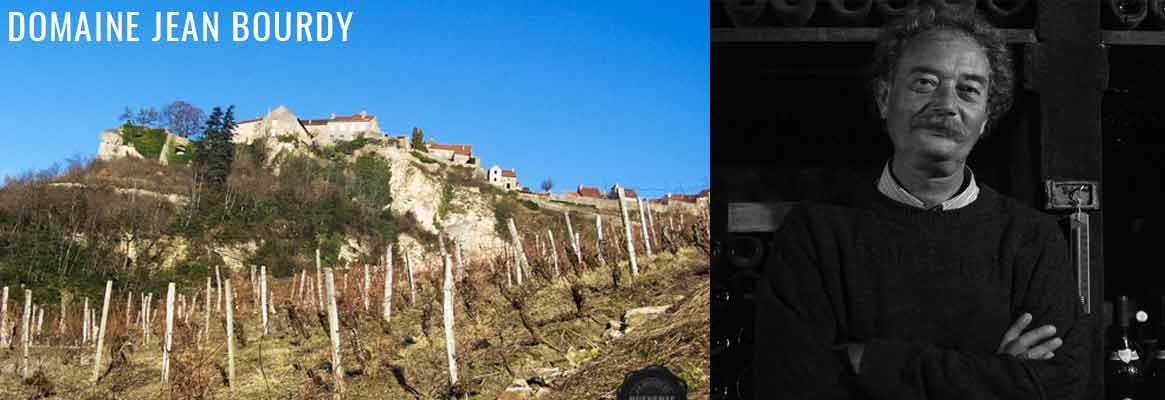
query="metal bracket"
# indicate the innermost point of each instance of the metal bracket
(1072, 195)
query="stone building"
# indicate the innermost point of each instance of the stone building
(280, 125)
(503, 178)
(455, 153)
(342, 128)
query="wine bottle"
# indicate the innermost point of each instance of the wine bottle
(892, 10)
(1124, 14)
(744, 13)
(851, 12)
(1007, 13)
(793, 12)
(1123, 374)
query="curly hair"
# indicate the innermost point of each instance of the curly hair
(896, 37)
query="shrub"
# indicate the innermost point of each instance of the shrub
(147, 141)
(422, 157)
(350, 146)
(503, 211)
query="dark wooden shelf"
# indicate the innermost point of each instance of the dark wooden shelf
(1133, 38)
(831, 34)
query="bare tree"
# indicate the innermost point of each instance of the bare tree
(147, 116)
(182, 118)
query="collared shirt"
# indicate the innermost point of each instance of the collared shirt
(890, 187)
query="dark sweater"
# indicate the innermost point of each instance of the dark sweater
(929, 293)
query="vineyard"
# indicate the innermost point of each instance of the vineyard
(547, 321)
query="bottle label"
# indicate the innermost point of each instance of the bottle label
(1124, 355)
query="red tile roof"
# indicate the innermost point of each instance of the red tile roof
(592, 192)
(627, 192)
(509, 173)
(353, 118)
(313, 122)
(463, 149)
(570, 194)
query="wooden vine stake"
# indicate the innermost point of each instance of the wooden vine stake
(412, 289)
(334, 332)
(61, 325)
(24, 331)
(386, 302)
(651, 224)
(128, 310)
(101, 332)
(206, 311)
(553, 251)
(627, 232)
(263, 295)
(643, 224)
(230, 334)
(254, 292)
(5, 340)
(447, 306)
(364, 289)
(85, 323)
(319, 283)
(302, 278)
(169, 333)
(573, 242)
(218, 296)
(521, 254)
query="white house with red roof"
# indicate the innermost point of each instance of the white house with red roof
(504, 178)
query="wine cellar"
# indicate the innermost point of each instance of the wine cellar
(792, 120)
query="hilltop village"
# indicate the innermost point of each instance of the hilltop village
(284, 131)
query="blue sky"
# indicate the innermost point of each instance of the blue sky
(587, 92)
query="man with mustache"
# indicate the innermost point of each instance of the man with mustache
(922, 283)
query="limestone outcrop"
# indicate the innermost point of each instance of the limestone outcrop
(114, 146)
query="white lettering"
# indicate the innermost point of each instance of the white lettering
(210, 26)
(96, 24)
(302, 26)
(189, 29)
(15, 17)
(130, 26)
(171, 26)
(239, 31)
(264, 27)
(344, 25)
(284, 34)
(60, 31)
(83, 29)
(321, 17)
(33, 25)
(157, 26)
(113, 28)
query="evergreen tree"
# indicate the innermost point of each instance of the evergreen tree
(215, 151)
(419, 139)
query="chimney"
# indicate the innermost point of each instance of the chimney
(333, 115)
(363, 114)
